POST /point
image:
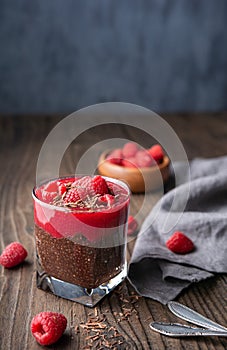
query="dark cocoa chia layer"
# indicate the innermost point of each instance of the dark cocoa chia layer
(78, 263)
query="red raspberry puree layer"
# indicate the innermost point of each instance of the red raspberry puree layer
(62, 220)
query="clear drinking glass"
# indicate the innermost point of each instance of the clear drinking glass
(81, 252)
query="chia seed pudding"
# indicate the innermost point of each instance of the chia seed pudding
(80, 229)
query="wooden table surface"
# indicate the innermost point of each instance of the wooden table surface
(202, 135)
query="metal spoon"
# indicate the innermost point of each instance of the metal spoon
(192, 316)
(179, 330)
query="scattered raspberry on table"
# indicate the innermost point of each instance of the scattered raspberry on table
(179, 243)
(13, 255)
(48, 327)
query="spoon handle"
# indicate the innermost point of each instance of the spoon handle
(192, 316)
(179, 330)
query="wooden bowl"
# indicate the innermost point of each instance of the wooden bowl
(136, 178)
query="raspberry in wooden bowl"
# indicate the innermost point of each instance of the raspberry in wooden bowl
(143, 170)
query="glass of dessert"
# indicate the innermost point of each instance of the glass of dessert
(80, 232)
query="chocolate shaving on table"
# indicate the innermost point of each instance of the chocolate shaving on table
(97, 331)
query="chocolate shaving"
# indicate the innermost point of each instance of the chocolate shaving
(98, 334)
(89, 202)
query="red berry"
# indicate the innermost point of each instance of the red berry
(99, 185)
(72, 196)
(115, 156)
(129, 149)
(129, 162)
(48, 327)
(132, 225)
(143, 159)
(179, 243)
(157, 153)
(13, 255)
(86, 186)
(79, 190)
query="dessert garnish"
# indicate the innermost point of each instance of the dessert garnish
(86, 192)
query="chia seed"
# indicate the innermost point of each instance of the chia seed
(80, 264)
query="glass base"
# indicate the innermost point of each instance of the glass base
(76, 293)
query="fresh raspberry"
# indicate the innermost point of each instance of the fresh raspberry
(79, 190)
(72, 196)
(48, 327)
(179, 243)
(129, 149)
(157, 153)
(129, 162)
(99, 185)
(86, 186)
(132, 225)
(115, 156)
(13, 255)
(106, 199)
(91, 186)
(143, 159)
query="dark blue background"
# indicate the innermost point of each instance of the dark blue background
(58, 56)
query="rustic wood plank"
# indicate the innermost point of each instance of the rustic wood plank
(202, 135)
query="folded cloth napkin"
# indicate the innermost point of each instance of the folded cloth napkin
(160, 274)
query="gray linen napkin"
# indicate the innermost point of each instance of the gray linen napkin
(160, 274)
